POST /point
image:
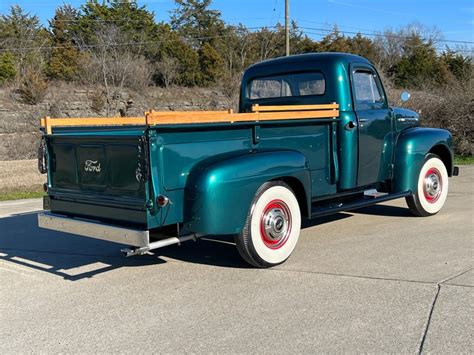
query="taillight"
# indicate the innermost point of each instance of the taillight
(162, 200)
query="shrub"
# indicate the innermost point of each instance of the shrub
(98, 101)
(33, 87)
(451, 108)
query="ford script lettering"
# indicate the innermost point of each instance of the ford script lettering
(92, 166)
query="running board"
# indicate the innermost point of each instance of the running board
(340, 206)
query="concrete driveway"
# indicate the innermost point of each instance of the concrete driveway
(375, 280)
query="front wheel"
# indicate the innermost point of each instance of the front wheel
(432, 188)
(272, 228)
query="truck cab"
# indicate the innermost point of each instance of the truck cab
(314, 135)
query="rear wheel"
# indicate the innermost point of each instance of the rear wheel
(432, 188)
(272, 228)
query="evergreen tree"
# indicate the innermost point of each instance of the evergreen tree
(23, 34)
(65, 55)
(419, 65)
(197, 22)
(7, 67)
(459, 66)
(211, 64)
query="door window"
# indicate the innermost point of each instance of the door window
(368, 95)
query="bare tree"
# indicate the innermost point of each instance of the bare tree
(392, 43)
(114, 62)
(168, 69)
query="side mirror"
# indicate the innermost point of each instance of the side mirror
(405, 96)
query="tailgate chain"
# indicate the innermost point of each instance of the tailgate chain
(42, 156)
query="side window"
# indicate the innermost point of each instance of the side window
(367, 93)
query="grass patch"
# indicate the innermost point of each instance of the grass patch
(6, 195)
(463, 159)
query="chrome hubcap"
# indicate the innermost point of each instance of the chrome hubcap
(432, 185)
(275, 224)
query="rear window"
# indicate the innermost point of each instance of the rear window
(302, 84)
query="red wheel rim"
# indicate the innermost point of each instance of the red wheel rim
(432, 185)
(275, 224)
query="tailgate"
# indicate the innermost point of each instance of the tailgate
(102, 176)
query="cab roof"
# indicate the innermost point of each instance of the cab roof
(342, 58)
(334, 66)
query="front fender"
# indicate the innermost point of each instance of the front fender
(219, 198)
(412, 146)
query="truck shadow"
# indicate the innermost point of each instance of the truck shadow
(73, 257)
(385, 210)
(68, 256)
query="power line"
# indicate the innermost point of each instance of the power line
(18, 49)
(305, 30)
(375, 34)
(335, 24)
(470, 50)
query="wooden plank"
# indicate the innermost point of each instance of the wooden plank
(242, 117)
(49, 123)
(189, 118)
(179, 113)
(268, 116)
(265, 108)
(286, 112)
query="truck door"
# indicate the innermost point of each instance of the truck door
(374, 118)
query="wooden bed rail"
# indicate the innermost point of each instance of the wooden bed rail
(259, 113)
(277, 108)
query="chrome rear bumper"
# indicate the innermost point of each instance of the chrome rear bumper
(92, 229)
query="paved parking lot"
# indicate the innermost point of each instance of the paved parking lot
(375, 280)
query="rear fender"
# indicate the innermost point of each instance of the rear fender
(412, 147)
(218, 198)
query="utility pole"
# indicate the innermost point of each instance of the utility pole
(287, 26)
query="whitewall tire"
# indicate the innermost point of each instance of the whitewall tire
(272, 228)
(432, 188)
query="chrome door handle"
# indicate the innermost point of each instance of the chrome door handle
(363, 120)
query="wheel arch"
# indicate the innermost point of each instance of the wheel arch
(444, 154)
(300, 192)
(411, 149)
(219, 197)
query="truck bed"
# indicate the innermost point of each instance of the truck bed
(110, 169)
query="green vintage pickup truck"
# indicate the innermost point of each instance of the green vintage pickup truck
(314, 135)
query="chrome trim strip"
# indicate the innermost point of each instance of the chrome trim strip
(407, 119)
(92, 229)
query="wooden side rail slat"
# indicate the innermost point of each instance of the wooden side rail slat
(198, 113)
(194, 117)
(267, 108)
(49, 123)
(189, 117)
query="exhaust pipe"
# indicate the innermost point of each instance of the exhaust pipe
(158, 244)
